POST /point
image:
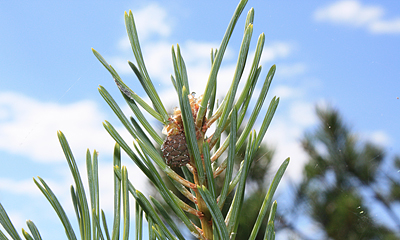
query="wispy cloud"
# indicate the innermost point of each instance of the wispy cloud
(377, 137)
(354, 13)
(152, 20)
(276, 50)
(286, 131)
(292, 70)
(20, 187)
(28, 127)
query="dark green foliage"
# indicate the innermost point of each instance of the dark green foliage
(344, 181)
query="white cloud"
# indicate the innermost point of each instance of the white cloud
(276, 50)
(124, 44)
(285, 136)
(350, 12)
(120, 64)
(354, 13)
(29, 127)
(286, 130)
(378, 137)
(25, 186)
(286, 92)
(287, 71)
(303, 113)
(192, 51)
(158, 59)
(152, 20)
(392, 26)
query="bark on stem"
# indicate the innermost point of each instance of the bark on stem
(206, 220)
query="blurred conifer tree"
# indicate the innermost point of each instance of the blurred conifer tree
(348, 186)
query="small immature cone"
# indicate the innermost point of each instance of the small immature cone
(174, 148)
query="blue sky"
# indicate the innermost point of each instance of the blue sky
(342, 53)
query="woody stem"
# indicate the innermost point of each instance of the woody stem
(206, 223)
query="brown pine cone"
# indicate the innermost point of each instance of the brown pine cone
(175, 150)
